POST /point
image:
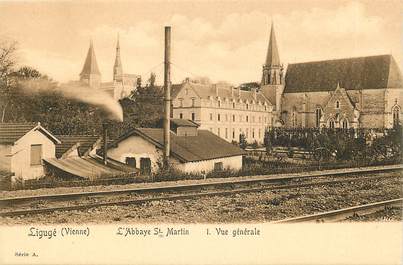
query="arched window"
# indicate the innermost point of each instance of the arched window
(318, 115)
(294, 117)
(396, 115)
(337, 104)
(331, 123)
(344, 124)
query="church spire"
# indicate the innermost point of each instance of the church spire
(272, 58)
(90, 73)
(117, 68)
(272, 69)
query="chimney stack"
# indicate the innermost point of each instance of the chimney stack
(167, 95)
(105, 142)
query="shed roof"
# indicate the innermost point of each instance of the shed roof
(86, 142)
(84, 167)
(184, 123)
(371, 72)
(204, 146)
(12, 132)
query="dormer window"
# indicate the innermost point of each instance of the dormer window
(193, 102)
(219, 103)
(247, 106)
(233, 105)
(181, 102)
(337, 104)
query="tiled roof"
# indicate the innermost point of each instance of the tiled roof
(11, 132)
(67, 141)
(206, 91)
(372, 72)
(204, 146)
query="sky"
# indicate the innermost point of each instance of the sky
(223, 40)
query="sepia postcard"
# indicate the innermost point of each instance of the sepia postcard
(201, 132)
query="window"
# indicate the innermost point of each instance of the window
(396, 116)
(36, 154)
(226, 133)
(294, 117)
(318, 115)
(253, 133)
(218, 131)
(247, 118)
(218, 166)
(131, 162)
(219, 104)
(233, 133)
(180, 115)
(193, 116)
(233, 118)
(226, 117)
(344, 124)
(145, 166)
(181, 102)
(331, 124)
(218, 117)
(233, 105)
(247, 106)
(265, 107)
(247, 133)
(337, 104)
(211, 116)
(193, 102)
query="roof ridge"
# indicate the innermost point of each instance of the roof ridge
(345, 58)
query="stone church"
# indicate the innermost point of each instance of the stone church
(121, 85)
(362, 92)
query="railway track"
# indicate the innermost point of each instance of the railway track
(343, 214)
(80, 201)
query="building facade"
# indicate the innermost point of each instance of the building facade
(122, 84)
(192, 150)
(23, 146)
(225, 111)
(363, 92)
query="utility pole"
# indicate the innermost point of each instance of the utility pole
(167, 95)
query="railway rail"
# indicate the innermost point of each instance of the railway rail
(23, 205)
(343, 214)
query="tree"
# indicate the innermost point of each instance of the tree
(151, 80)
(8, 62)
(242, 141)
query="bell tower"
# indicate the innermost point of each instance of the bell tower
(272, 69)
(90, 73)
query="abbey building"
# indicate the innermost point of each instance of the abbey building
(121, 85)
(362, 92)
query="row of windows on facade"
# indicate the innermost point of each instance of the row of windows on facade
(318, 116)
(234, 105)
(193, 117)
(253, 134)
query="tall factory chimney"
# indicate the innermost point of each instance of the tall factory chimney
(167, 95)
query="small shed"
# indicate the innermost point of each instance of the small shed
(23, 146)
(192, 150)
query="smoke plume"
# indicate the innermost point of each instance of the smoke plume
(77, 91)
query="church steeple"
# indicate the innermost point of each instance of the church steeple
(117, 67)
(90, 73)
(272, 69)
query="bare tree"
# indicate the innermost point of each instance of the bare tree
(8, 62)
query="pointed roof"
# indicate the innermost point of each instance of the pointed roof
(90, 64)
(118, 62)
(272, 58)
(370, 72)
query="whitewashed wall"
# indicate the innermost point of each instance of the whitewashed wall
(21, 155)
